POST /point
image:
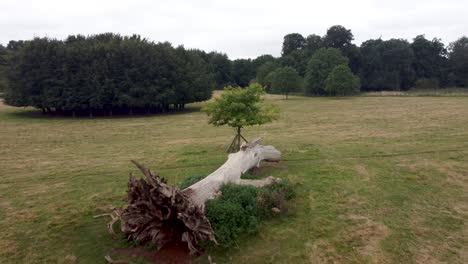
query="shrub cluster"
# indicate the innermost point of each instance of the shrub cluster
(240, 209)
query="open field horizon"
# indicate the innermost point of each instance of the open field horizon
(379, 179)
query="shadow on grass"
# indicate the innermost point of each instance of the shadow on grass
(29, 113)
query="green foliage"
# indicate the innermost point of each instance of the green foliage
(264, 69)
(274, 196)
(240, 209)
(3, 68)
(341, 81)
(387, 65)
(106, 73)
(319, 67)
(220, 68)
(243, 72)
(285, 80)
(296, 59)
(313, 43)
(338, 37)
(458, 59)
(238, 107)
(293, 42)
(430, 59)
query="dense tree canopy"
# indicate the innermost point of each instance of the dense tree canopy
(319, 67)
(430, 58)
(285, 80)
(338, 37)
(313, 43)
(341, 81)
(387, 65)
(3, 67)
(106, 73)
(264, 70)
(293, 42)
(220, 67)
(459, 61)
(242, 72)
(109, 73)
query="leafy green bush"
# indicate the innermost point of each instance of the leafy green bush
(274, 196)
(342, 81)
(240, 209)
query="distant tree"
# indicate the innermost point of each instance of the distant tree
(264, 70)
(196, 82)
(242, 72)
(220, 67)
(353, 53)
(238, 108)
(458, 59)
(3, 68)
(387, 65)
(313, 43)
(262, 59)
(285, 80)
(292, 42)
(338, 37)
(106, 73)
(296, 59)
(341, 81)
(430, 59)
(15, 45)
(319, 67)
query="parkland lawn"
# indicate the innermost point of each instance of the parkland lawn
(378, 180)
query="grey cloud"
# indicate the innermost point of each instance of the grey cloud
(240, 28)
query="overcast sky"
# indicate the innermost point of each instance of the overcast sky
(240, 28)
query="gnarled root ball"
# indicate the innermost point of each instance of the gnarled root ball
(157, 213)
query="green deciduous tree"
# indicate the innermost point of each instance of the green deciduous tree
(106, 74)
(293, 42)
(297, 60)
(458, 59)
(387, 65)
(285, 80)
(313, 43)
(264, 70)
(319, 67)
(341, 81)
(338, 37)
(242, 72)
(430, 59)
(240, 107)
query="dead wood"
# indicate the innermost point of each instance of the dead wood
(157, 213)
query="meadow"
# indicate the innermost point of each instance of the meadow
(378, 179)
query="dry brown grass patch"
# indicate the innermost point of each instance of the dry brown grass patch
(370, 233)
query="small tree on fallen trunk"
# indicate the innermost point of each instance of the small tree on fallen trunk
(238, 108)
(157, 213)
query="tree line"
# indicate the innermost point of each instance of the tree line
(333, 65)
(109, 73)
(106, 74)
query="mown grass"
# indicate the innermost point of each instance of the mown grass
(378, 180)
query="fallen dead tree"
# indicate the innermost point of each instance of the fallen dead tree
(158, 212)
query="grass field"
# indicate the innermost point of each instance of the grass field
(379, 180)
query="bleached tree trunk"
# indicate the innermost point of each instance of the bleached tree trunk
(249, 156)
(158, 212)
